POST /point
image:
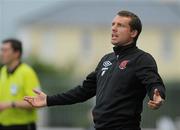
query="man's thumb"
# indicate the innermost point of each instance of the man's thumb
(156, 92)
(38, 92)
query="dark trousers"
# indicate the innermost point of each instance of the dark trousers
(31, 126)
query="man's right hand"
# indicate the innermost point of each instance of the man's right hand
(40, 100)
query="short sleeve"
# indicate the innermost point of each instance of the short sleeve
(31, 82)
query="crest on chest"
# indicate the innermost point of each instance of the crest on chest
(123, 64)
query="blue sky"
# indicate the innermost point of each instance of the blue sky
(11, 11)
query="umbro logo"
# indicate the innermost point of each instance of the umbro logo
(107, 63)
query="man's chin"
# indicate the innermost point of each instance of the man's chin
(114, 43)
(5, 62)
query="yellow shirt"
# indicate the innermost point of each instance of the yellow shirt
(13, 87)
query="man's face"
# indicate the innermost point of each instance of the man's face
(121, 31)
(7, 53)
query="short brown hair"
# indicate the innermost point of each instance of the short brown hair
(15, 44)
(135, 22)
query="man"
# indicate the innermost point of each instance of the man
(17, 79)
(119, 82)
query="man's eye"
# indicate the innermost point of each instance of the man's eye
(120, 25)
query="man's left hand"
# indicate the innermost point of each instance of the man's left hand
(157, 100)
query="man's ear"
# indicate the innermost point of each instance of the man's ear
(17, 54)
(134, 33)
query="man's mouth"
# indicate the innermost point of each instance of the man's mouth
(114, 36)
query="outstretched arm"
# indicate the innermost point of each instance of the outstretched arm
(147, 73)
(75, 95)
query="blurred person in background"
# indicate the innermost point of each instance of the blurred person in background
(165, 123)
(17, 79)
(120, 82)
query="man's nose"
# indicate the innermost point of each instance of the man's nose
(114, 29)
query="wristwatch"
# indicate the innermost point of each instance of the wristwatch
(13, 105)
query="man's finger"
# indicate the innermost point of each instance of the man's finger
(155, 103)
(38, 92)
(153, 106)
(29, 100)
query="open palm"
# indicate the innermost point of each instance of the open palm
(38, 101)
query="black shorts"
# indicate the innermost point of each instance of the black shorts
(31, 126)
